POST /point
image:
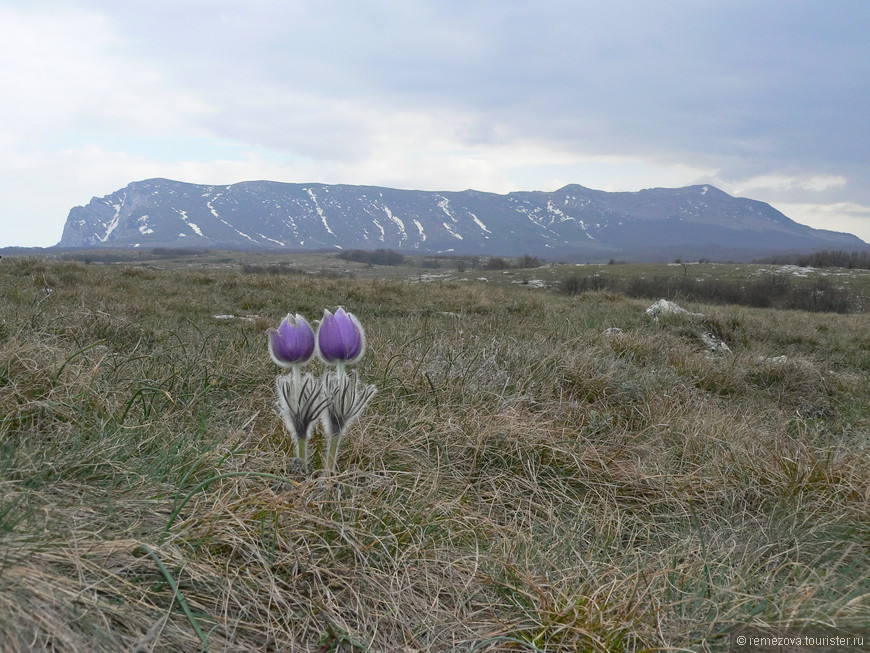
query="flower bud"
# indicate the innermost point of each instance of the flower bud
(340, 338)
(292, 343)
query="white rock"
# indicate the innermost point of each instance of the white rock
(665, 307)
(713, 343)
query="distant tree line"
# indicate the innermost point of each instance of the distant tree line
(88, 256)
(377, 257)
(173, 252)
(523, 263)
(766, 291)
(272, 268)
(389, 257)
(827, 259)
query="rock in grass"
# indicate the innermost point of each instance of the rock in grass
(665, 307)
(714, 344)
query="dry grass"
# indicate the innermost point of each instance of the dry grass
(523, 481)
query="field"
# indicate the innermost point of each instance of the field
(539, 471)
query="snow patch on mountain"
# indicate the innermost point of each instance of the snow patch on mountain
(280, 243)
(451, 232)
(319, 211)
(552, 208)
(535, 217)
(113, 222)
(210, 206)
(480, 224)
(420, 230)
(398, 222)
(378, 225)
(192, 225)
(144, 227)
(289, 222)
(444, 205)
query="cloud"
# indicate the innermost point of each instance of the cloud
(782, 182)
(67, 76)
(847, 217)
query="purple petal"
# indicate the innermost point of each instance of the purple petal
(292, 343)
(340, 337)
(358, 338)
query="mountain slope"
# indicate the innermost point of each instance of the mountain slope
(571, 222)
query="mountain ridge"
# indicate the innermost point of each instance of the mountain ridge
(573, 222)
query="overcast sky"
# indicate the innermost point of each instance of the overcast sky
(762, 98)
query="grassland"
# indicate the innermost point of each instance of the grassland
(538, 472)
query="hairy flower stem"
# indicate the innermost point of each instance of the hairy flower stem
(332, 453)
(297, 376)
(333, 435)
(300, 404)
(302, 450)
(346, 398)
(299, 439)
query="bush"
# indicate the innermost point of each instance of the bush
(527, 262)
(496, 263)
(524, 263)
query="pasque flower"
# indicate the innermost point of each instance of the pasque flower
(300, 401)
(340, 338)
(338, 400)
(292, 343)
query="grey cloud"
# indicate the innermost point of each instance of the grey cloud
(679, 78)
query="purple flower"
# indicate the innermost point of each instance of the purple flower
(292, 343)
(340, 338)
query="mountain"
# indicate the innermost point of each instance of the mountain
(571, 223)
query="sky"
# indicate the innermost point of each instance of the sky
(767, 99)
